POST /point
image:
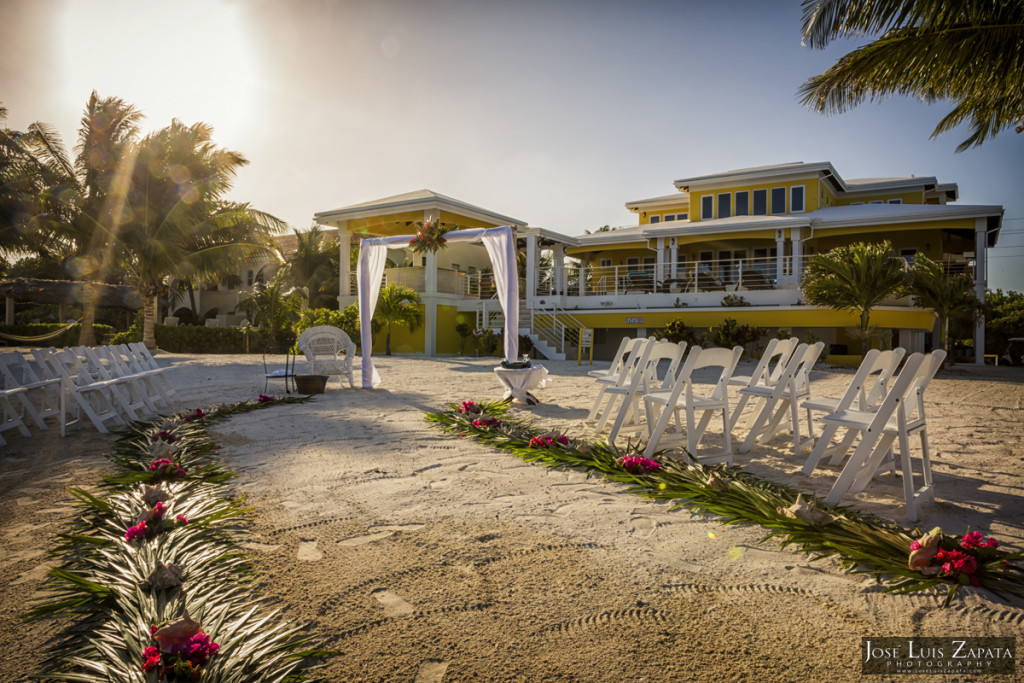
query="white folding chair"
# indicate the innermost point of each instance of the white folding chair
(900, 415)
(97, 399)
(766, 373)
(137, 362)
(616, 365)
(130, 390)
(41, 398)
(655, 371)
(11, 417)
(147, 381)
(634, 350)
(686, 395)
(866, 390)
(793, 385)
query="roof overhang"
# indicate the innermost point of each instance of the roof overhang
(415, 201)
(778, 173)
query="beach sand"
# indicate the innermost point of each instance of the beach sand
(425, 557)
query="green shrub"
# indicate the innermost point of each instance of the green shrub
(730, 333)
(678, 331)
(733, 300)
(179, 339)
(69, 338)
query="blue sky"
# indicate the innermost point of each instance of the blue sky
(554, 112)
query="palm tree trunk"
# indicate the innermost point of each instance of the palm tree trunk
(148, 320)
(192, 299)
(87, 336)
(865, 343)
(387, 342)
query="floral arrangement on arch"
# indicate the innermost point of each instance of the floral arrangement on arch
(430, 238)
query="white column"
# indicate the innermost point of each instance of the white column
(796, 239)
(344, 246)
(980, 285)
(780, 254)
(430, 328)
(558, 259)
(659, 260)
(584, 274)
(673, 267)
(531, 269)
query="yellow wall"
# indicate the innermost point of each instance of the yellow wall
(810, 184)
(907, 197)
(402, 341)
(772, 318)
(448, 340)
(646, 213)
(618, 253)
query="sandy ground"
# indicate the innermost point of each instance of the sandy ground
(427, 558)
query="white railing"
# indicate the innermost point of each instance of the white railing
(556, 326)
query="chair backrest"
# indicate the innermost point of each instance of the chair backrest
(15, 371)
(631, 360)
(325, 341)
(725, 359)
(620, 354)
(646, 377)
(884, 367)
(913, 403)
(773, 362)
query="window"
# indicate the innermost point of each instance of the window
(742, 203)
(895, 201)
(455, 267)
(471, 270)
(655, 219)
(707, 207)
(682, 216)
(778, 200)
(650, 262)
(605, 263)
(633, 264)
(764, 261)
(856, 203)
(908, 255)
(796, 199)
(760, 202)
(876, 201)
(248, 278)
(724, 205)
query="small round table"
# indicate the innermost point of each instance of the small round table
(519, 381)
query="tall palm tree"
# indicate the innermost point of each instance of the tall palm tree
(314, 267)
(942, 292)
(178, 224)
(274, 305)
(81, 201)
(21, 185)
(855, 277)
(971, 53)
(399, 305)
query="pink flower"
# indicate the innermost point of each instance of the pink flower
(635, 464)
(151, 662)
(263, 398)
(182, 518)
(991, 543)
(914, 545)
(136, 532)
(486, 422)
(158, 511)
(469, 407)
(967, 565)
(152, 650)
(971, 540)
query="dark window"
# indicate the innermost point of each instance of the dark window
(796, 198)
(778, 200)
(760, 202)
(742, 203)
(655, 219)
(707, 207)
(724, 205)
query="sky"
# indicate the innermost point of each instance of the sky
(554, 112)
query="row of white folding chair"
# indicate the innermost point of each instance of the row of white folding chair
(620, 373)
(766, 374)
(39, 394)
(898, 416)
(781, 400)
(654, 371)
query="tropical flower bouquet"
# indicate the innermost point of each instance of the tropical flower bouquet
(430, 238)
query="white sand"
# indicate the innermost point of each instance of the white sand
(425, 557)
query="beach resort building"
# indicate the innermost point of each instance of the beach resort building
(724, 245)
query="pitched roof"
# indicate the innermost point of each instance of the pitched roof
(408, 201)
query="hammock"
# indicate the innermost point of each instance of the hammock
(42, 337)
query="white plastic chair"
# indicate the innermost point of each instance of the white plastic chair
(136, 364)
(97, 399)
(41, 398)
(616, 364)
(900, 415)
(655, 371)
(866, 390)
(686, 396)
(793, 385)
(631, 357)
(11, 418)
(766, 373)
(329, 349)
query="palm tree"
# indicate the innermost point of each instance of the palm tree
(273, 305)
(942, 292)
(971, 53)
(399, 305)
(177, 223)
(854, 277)
(81, 201)
(314, 267)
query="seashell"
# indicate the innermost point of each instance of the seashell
(921, 558)
(175, 636)
(154, 495)
(715, 482)
(806, 512)
(584, 448)
(162, 449)
(164, 577)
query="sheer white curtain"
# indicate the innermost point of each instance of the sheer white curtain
(501, 247)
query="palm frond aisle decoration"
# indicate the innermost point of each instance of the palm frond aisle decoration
(861, 543)
(151, 581)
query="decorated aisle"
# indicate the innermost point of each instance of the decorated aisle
(905, 561)
(152, 585)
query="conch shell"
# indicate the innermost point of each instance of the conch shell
(806, 512)
(164, 577)
(161, 449)
(174, 636)
(714, 482)
(921, 559)
(154, 494)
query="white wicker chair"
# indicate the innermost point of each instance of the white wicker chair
(330, 351)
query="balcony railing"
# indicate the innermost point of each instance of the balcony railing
(472, 285)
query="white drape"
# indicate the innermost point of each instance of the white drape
(501, 247)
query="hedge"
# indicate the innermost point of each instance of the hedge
(69, 338)
(187, 339)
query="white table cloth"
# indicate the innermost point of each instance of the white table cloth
(519, 381)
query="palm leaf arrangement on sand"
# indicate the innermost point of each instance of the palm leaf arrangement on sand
(151, 584)
(905, 561)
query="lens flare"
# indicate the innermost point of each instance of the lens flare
(711, 535)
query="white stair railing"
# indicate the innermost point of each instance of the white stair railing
(556, 327)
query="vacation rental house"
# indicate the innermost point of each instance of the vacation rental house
(719, 238)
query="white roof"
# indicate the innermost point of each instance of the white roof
(410, 201)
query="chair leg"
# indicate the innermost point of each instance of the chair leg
(818, 452)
